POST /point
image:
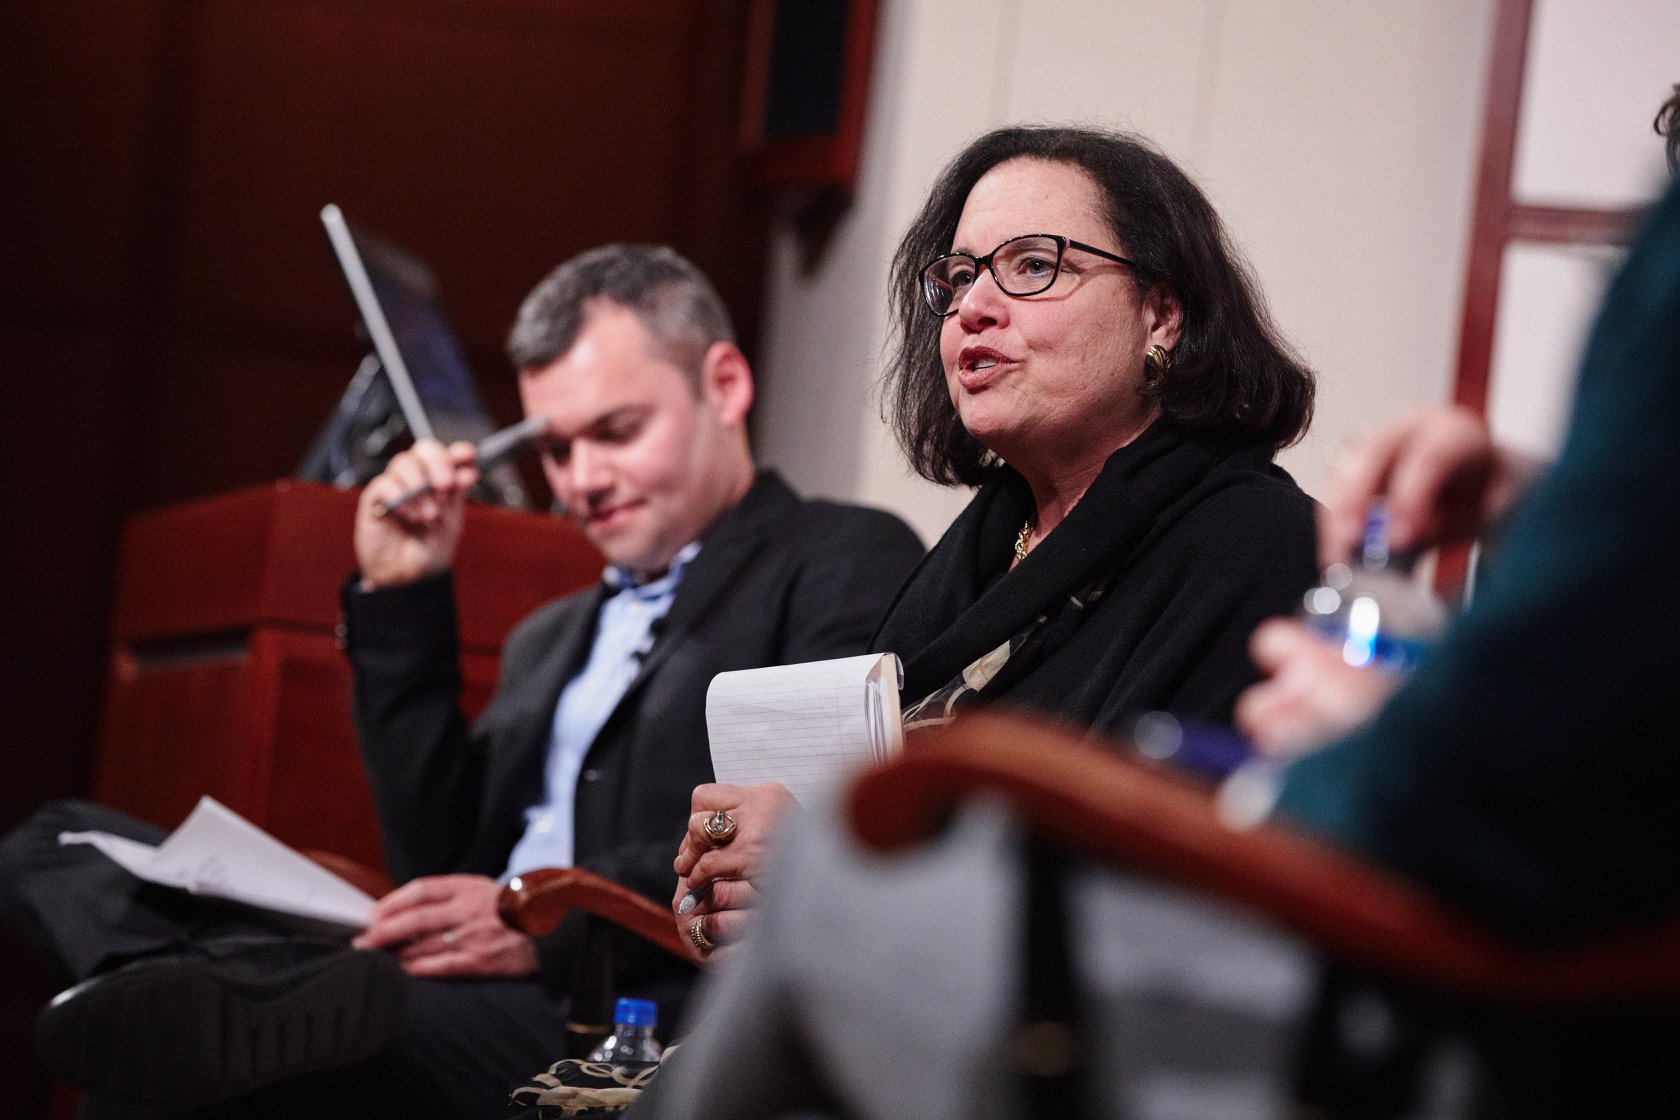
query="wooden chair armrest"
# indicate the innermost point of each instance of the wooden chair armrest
(536, 901)
(1095, 800)
(359, 875)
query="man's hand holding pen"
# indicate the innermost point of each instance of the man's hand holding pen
(409, 519)
(401, 542)
(492, 451)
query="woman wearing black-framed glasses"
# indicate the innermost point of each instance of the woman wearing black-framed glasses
(1074, 338)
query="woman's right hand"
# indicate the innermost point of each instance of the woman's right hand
(418, 538)
(1442, 474)
(734, 869)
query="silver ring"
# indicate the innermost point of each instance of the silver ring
(697, 934)
(449, 939)
(720, 828)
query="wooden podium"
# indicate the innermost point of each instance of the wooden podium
(225, 675)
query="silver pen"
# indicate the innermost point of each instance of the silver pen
(493, 450)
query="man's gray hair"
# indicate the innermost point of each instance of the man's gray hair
(673, 299)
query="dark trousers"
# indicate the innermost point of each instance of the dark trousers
(463, 1046)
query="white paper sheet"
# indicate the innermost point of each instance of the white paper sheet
(806, 726)
(217, 852)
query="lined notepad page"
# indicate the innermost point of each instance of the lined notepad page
(806, 726)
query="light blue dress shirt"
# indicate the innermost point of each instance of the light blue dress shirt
(623, 636)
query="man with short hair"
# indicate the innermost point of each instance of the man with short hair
(586, 755)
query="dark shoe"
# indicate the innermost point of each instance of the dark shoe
(201, 1027)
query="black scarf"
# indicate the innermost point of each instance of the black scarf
(957, 607)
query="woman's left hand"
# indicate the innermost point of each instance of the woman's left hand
(725, 877)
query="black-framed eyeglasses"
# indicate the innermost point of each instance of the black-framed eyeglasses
(1022, 266)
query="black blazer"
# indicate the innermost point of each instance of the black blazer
(777, 580)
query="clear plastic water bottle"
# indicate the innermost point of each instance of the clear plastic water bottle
(632, 1038)
(1381, 616)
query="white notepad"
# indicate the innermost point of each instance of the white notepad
(806, 726)
(218, 853)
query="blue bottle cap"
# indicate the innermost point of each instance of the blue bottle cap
(635, 1013)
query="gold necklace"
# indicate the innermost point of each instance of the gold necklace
(1021, 541)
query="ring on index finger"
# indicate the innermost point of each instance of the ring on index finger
(720, 828)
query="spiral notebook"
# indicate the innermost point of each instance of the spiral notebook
(807, 726)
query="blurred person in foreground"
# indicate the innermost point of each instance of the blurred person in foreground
(1524, 773)
(584, 757)
(1515, 773)
(1076, 339)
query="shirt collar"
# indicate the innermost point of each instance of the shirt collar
(623, 579)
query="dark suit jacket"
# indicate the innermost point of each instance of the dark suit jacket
(777, 580)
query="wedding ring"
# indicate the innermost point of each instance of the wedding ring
(720, 828)
(448, 939)
(697, 934)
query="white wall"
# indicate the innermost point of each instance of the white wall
(1337, 137)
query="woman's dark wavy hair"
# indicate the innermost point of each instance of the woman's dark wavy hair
(1231, 371)
(1667, 125)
